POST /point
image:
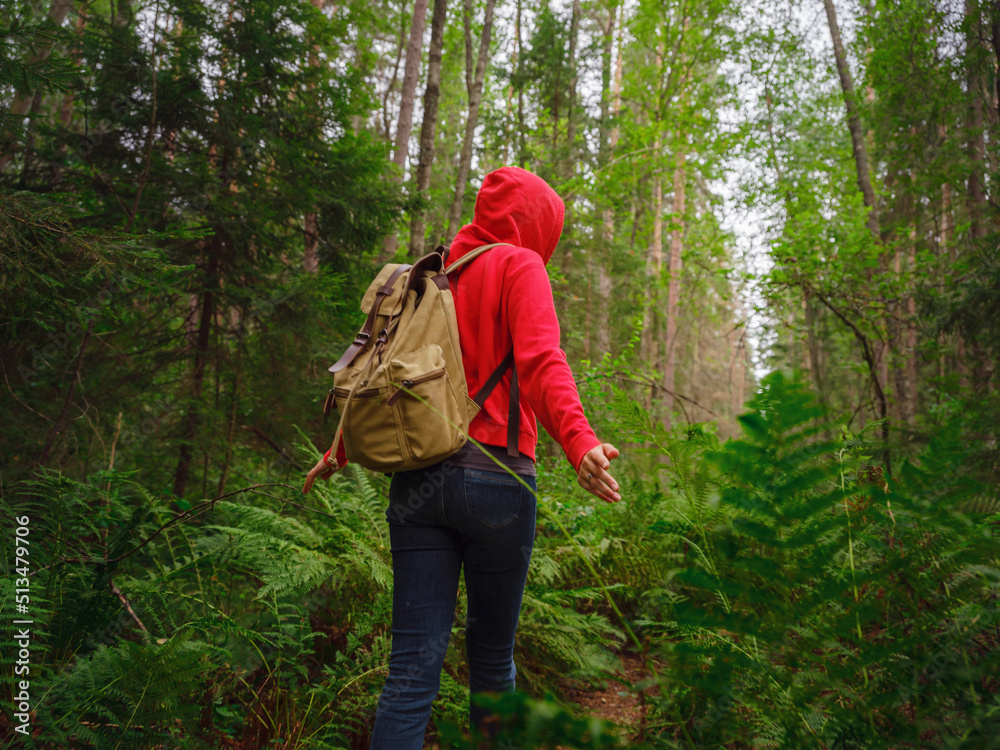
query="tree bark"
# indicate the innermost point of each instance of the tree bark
(608, 216)
(310, 228)
(813, 345)
(522, 151)
(912, 373)
(654, 251)
(206, 316)
(877, 360)
(567, 167)
(654, 265)
(948, 258)
(975, 144)
(475, 90)
(573, 82)
(854, 123)
(674, 286)
(414, 53)
(432, 95)
(976, 150)
(404, 125)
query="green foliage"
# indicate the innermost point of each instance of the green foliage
(862, 608)
(26, 70)
(137, 695)
(182, 166)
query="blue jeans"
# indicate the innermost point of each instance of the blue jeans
(442, 518)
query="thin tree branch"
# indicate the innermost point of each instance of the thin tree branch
(128, 606)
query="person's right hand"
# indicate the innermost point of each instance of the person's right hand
(593, 475)
(322, 469)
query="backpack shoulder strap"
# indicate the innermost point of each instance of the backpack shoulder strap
(514, 413)
(471, 255)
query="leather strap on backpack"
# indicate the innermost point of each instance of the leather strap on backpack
(365, 334)
(514, 413)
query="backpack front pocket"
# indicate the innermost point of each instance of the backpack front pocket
(371, 431)
(425, 403)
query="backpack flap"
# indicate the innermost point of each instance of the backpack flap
(393, 293)
(384, 297)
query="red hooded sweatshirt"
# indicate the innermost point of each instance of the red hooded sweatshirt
(504, 296)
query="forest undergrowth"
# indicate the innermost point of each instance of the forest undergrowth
(780, 588)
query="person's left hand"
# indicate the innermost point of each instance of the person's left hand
(593, 475)
(322, 469)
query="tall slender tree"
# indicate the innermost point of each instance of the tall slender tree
(432, 95)
(474, 87)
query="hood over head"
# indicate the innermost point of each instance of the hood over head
(513, 206)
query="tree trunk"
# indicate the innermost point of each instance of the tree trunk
(654, 265)
(975, 143)
(654, 252)
(739, 376)
(949, 257)
(853, 123)
(566, 167)
(521, 151)
(976, 149)
(206, 316)
(674, 286)
(475, 90)
(310, 257)
(878, 363)
(432, 95)
(608, 217)
(910, 341)
(414, 53)
(404, 126)
(812, 344)
(310, 229)
(573, 82)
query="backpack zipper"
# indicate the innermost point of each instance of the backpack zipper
(345, 392)
(410, 383)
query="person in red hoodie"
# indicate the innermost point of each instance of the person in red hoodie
(463, 512)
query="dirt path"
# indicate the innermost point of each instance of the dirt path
(615, 702)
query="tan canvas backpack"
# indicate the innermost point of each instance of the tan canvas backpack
(400, 387)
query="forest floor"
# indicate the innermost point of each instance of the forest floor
(615, 702)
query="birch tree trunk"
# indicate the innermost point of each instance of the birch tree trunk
(432, 95)
(475, 90)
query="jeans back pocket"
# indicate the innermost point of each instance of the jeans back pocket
(493, 497)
